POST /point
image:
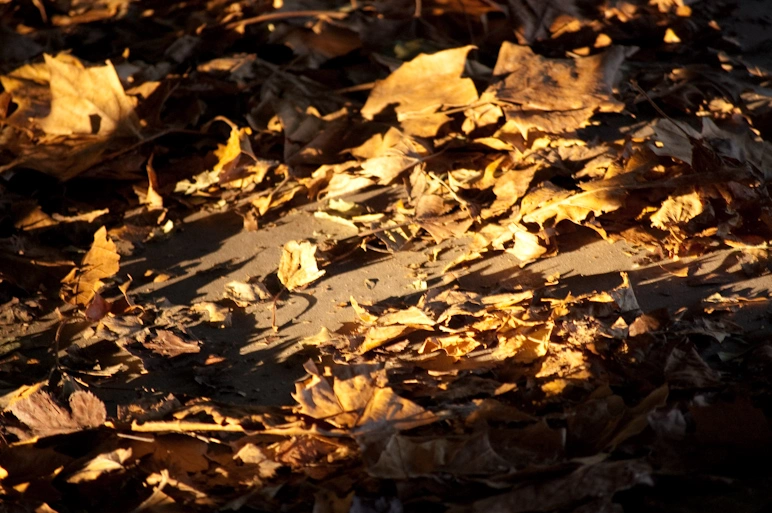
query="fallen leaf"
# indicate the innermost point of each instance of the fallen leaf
(87, 101)
(551, 202)
(554, 95)
(214, 313)
(419, 88)
(678, 210)
(588, 481)
(102, 464)
(101, 261)
(297, 267)
(245, 294)
(166, 343)
(236, 153)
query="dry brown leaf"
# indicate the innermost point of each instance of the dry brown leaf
(362, 313)
(528, 246)
(413, 317)
(87, 101)
(554, 95)
(377, 336)
(420, 87)
(523, 342)
(100, 465)
(29, 88)
(101, 261)
(167, 344)
(589, 481)
(214, 313)
(432, 215)
(87, 409)
(387, 411)
(636, 419)
(245, 294)
(551, 202)
(297, 267)
(405, 457)
(400, 158)
(685, 368)
(236, 153)
(509, 188)
(180, 453)
(357, 399)
(45, 417)
(253, 456)
(455, 345)
(678, 210)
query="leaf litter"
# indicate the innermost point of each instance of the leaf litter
(504, 127)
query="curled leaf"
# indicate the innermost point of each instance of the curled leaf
(297, 267)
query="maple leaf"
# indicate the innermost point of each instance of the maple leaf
(87, 101)
(357, 398)
(419, 88)
(554, 95)
(297, 267)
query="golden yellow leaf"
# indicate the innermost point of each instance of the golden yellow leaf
(528, 246)
(377, 336)
(363, 314)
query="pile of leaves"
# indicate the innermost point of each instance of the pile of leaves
(497, 126)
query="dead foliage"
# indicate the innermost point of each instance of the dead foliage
(502, 126)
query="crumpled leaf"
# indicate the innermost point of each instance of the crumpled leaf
(235, 153)
(297, 267)
(395, 160)
(101, 261)
(357, 398)
(166, 343)
(245, 294)
(554, 95)
(528, 246)
(678, 209)
(589, 481)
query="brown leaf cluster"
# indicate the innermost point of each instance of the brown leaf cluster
(495, 127)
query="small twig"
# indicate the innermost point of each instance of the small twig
(354, 88)
(273, 16)
(659, 111)
(274, 327)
